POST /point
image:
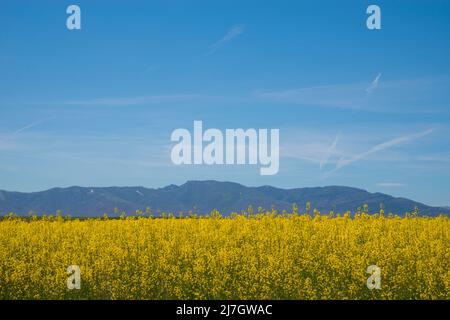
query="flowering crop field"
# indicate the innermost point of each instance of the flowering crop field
(260, 256)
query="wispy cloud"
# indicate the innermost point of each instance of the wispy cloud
(230, 35)
(348, 96)
(390, 184)
(436, 157)
(380, 147)
(129, 101)
(9, 142)
(311, 145)
(374, 85)
(329, 152)
(424, 95)
(25, 128)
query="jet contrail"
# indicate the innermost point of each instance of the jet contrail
(31, 125)
(230, 35)
(374, 84)
(380, 147)
(329, 152)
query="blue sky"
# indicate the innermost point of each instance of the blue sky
(96, 106)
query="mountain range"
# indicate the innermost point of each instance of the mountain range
(201, 197)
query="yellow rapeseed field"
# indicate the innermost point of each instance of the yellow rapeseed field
(258, 256)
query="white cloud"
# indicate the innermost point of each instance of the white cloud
(25, 128)
(436, 157)
(329, 152)
(348, 96)
(380, 147)
(374, 85)
(390, 184)
(230, 35)
(5, 142)
(396, 96)
(128, 101)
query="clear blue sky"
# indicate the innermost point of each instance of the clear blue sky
(96, 106)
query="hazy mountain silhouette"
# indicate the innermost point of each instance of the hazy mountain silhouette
(201, 197)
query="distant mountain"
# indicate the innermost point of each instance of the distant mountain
(202, 197)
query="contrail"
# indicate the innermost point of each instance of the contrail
(380, 147)
(329, 152)
(230, 35)
(374, 84)
(31, 125)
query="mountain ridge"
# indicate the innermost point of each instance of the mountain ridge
(201, 197)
